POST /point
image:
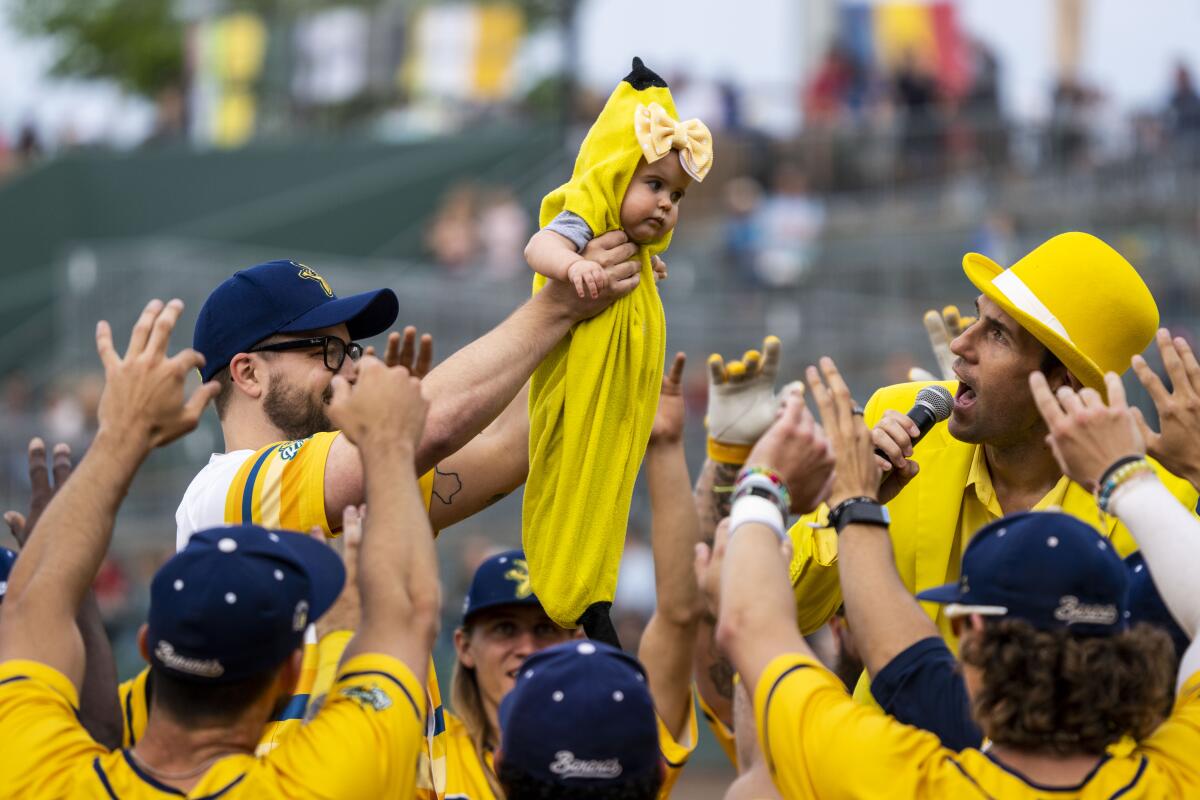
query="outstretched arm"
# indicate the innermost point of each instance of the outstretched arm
(471, 388)
(670, 636)
(490, 466)
(99, 705)
(383, 414)
(885, 618)
(757, 619)
(142, 407)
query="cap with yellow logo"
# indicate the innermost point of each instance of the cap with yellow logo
(281, 297)
(501, 580)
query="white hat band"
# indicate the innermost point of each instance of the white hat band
(1012, 287)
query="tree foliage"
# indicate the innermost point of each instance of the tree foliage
(137, 43)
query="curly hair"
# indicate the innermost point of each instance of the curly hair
(520, 785)
(1063, 694)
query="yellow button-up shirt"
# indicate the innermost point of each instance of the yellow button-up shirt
(981, 506)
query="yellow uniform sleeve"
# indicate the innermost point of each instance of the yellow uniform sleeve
(282, 486)
(134, 695)
(46, 749)
(675, 754)
(1174, 747)
(819, 743)
(373, 720)
(721, 732)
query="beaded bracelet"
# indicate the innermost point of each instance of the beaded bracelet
(1117, 475)
(771, 476)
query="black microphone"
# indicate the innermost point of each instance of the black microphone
(933, 405)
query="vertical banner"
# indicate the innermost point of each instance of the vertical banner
(466, 52)
(227, 58)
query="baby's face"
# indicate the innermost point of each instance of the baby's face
(651, 205)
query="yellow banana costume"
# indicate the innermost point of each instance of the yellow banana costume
(592, 400)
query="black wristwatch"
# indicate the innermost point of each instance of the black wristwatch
(858, 511)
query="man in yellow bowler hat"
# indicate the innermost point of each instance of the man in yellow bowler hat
(1074, 309)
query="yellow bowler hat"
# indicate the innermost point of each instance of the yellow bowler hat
(1078, 297)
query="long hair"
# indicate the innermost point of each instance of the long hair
(1057, 693)
(468, 706)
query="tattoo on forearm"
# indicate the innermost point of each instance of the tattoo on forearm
(714, 495)
(446, 485)
(721, 672)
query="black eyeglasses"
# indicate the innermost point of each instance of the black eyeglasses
(335, 349)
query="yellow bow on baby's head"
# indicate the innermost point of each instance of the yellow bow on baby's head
(659, 133)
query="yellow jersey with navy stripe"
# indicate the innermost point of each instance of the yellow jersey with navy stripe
(281, 485)
(467, 776)
(819, 743)
(373, 720)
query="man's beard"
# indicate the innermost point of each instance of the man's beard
(296, 413)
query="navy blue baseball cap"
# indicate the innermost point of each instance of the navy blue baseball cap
(281, 297)
(580, 714)
(235, 602)
(502, 580)
(7, 559)
(1044, 567)
(1146, 605)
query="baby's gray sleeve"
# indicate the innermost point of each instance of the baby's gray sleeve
(573, 228)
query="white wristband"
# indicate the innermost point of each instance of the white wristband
(753, 508)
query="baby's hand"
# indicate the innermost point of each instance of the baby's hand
(660, 268)
(590, 273)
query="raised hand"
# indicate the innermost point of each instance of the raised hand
(795, 447)
(1087, 436)
(742, 402)
(143, 401)
(21, 525)
(668, 421)
(384, 407)
(400, 352)
(857, 471)
(1177, 447)
(618, 257)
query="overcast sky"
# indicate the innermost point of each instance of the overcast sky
(1129, 49)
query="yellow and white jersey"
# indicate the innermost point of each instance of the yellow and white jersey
(281, 486)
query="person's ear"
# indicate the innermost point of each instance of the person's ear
(462, 646)
(1060, 376)
(143, 640)
(248, 375)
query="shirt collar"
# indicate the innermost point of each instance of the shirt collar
(979, 480)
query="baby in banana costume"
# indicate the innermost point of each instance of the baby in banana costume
(592, 400)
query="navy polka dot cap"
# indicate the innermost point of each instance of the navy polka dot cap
(1146, 605)
(1044, 567)
(235, 602)
(580, 714)
(7, 559)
